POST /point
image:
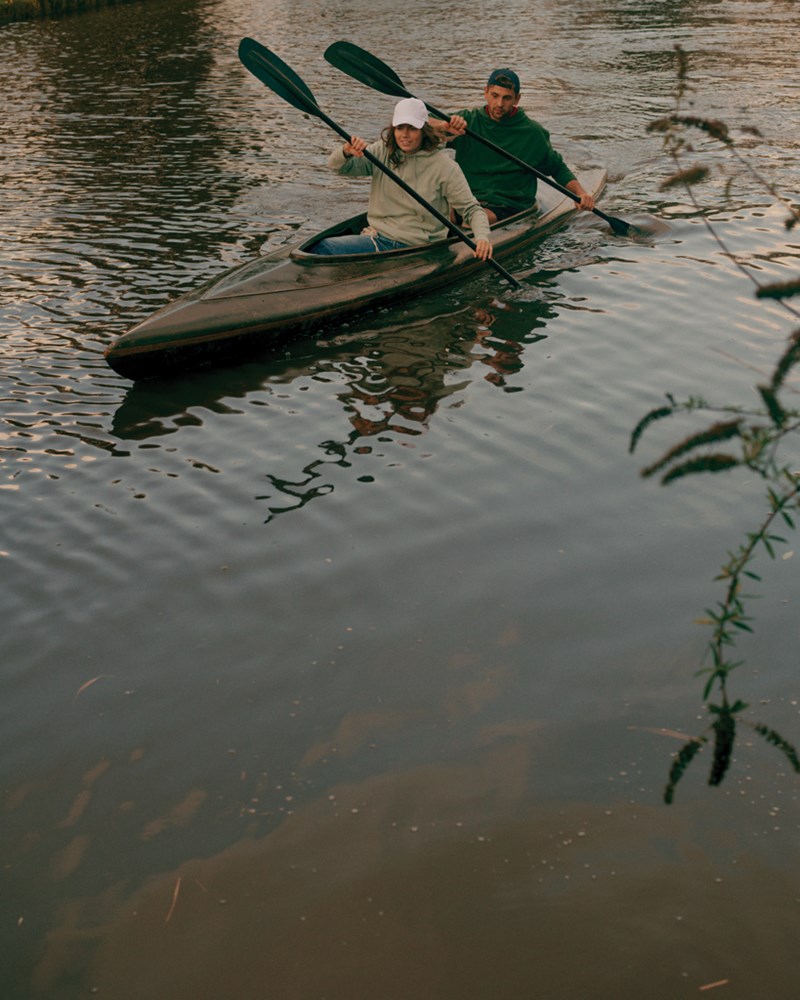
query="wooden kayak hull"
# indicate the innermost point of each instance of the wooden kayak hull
(271, 301)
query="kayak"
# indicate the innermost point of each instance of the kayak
(264, 304)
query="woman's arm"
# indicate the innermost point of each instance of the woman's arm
(349, 158)
(460, 197)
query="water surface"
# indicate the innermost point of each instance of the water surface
(353, 672)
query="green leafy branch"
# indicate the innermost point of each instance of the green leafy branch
(677, 129)
(748, 438)
(723, 726)
(756, 441)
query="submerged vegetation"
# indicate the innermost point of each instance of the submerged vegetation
(748, 438)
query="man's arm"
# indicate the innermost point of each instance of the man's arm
(447, 130)
(586, 200)
(457, 125)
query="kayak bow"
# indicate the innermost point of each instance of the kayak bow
(264, 304)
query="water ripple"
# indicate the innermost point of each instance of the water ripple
(417, 537)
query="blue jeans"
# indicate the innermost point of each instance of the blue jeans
(362, 243)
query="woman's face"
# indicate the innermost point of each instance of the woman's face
(408, 138)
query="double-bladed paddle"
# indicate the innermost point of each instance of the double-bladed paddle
(279, 77)
(368, 69)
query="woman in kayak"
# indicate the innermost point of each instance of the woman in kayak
(410, 147)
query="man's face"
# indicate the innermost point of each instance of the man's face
(500, 101)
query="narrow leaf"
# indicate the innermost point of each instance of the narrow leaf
(692, 175)
(722, 431)
(710, 463)
(778, 741)
(724, 734)
(657, 414)
(779, 289)
(788, 359)
(682, 760)
(711, 126)
(776, 412)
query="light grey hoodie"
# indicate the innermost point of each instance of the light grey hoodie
(432, 174)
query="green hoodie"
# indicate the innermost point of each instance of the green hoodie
(496, 180)
(432, 174)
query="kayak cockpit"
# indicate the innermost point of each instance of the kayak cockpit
(355, 225)
(305, 252)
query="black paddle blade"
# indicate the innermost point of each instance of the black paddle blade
(618, 226)
(365, 68)
(274, 72)
(644, 232)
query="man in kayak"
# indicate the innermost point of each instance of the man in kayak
(410, 148)
(502, 187)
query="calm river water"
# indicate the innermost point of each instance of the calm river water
(357, 673)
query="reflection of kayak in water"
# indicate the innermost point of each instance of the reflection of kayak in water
(273, 300)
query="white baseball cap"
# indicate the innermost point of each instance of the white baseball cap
(410, 111)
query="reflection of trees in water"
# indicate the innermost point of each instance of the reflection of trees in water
(128, 143)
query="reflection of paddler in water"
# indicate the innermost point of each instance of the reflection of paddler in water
(503, 356)
(403, 375)
(395, 386)
(406, 378)
(396, 378)
(415, 369)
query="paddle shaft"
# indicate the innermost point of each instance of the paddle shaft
(283, 81)
(370, 70)
(614, 223)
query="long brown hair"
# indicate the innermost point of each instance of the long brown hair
(430, 140)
